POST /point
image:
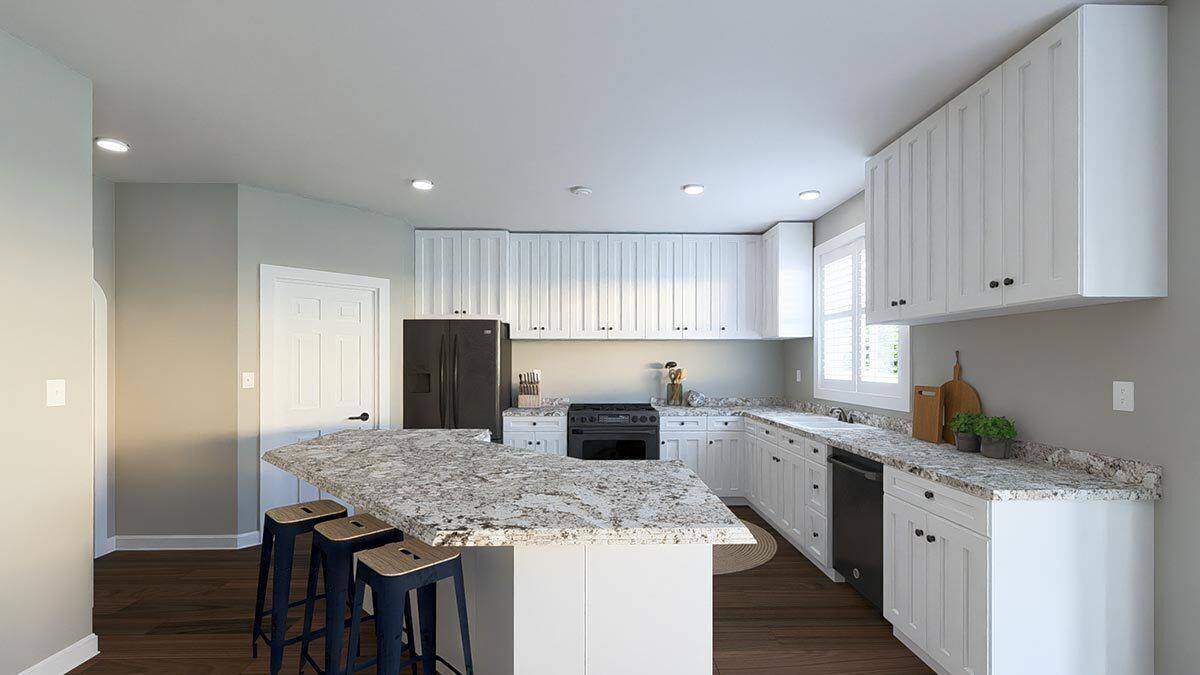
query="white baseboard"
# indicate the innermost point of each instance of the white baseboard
(66, 659)
(735, 501)
(110, 545)
(186, 542)
(920, 653)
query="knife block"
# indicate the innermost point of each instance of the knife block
(529, 400)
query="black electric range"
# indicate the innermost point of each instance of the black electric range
(612, 431)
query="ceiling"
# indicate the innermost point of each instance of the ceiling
(504, 105)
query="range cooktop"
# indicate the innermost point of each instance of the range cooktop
(612, 414)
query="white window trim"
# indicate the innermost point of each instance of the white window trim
(901, 400)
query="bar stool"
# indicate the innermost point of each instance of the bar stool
(281, 526)
(333, 547)
(392, 570)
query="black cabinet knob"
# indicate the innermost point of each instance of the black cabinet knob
(538, 443)
(676, 327)
(903, 302)
(710, 442)
(928, 494)
(685, 327)
(722, 327)
(456, 311)
(814, 535)
(993, 284)
(816, 487)
(930, 538)
(919, 532)
(543, 328)
(662, 442)
(363, 417)
(894, 303)
(1008, 281)
(791, 440)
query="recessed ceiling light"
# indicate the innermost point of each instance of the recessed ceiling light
(112, 144)
(692, 189)
(422, 184)
(809, 195)
(580, 190)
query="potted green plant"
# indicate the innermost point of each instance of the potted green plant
(964, 425)
(996, 434)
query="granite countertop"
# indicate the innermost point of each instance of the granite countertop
(454, 487)
(551, 407)
(991, 479)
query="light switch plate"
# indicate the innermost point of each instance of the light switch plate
(247, 380)
(1123, 396)
(56, 393)
(799, 374)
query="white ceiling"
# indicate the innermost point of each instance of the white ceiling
(506, 104)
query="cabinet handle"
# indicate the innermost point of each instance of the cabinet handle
(543, 328)
(919, 532)
(676, 327)
(662, 442)
(814, 535)
(791, 441)
(610, 327)
(768, 432)
(930, 538)
(685, 327)
(722, 327)
(815, 451)
(456, 311)
(894, 303)
(1008, 281)
(903, 302)
(816, 487)
(928, 494)
(993, 284)
(710, 442)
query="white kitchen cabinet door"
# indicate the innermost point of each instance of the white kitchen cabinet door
(975, 184)
(772, 483)
(525, 286)
(589, 286)
(720, 463)
(791, 470)
(556, 287)
(957, 596)
(701, 268)
(739, 286)
(923, 176)
(1041, 167)
(664, 286)
(626, 286)
(437, 272)
(882, 203)
(815, 484)
(686, 447)
(750, 466)
(521, 440)
(769, 298)
(484, 273)
(905, 568)
(816, 536)
(550, 442)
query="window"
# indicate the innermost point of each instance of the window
(854, 362)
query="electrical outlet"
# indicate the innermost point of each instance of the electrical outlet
(56, 393)
(799, 374)
(247, 380)
(1123, 396)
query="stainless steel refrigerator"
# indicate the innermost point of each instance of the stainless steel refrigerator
(457, 374)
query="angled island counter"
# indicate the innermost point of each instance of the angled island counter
(571, 567)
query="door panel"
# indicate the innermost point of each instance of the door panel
(426, 344)
(626, 286)
(664, 286)
(437, 272)
(905, 567)
(701, 268)
(883, 235)
(923, 175)
(975, 185)
(483, 270)
(589, 286)
(473, 371)
(957, 587)
(526, 287)
(556, 279)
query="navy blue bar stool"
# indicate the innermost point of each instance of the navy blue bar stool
(392, 570)
(333, 547)
(281, 526)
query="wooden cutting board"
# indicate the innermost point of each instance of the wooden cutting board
(957, 396)
(927, 413)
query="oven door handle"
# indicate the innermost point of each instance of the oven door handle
(869, 475)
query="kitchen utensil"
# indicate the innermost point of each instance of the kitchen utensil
(927, 413)
(957, 396)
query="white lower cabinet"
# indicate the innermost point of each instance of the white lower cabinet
(537, 434)
(721, 462)
(684, 446)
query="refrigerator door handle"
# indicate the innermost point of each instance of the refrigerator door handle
(442, 383)
(454, 376)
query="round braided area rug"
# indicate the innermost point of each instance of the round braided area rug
(730, 558)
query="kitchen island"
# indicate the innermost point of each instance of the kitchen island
(571, 567)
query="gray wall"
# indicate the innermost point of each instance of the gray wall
(624, 370)
(177, 349)
(1052, 371)
(282, 229)
(104, 271)
(46, 295)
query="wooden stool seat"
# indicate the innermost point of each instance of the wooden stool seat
(410, 555)
(321, 509)
(352, 527)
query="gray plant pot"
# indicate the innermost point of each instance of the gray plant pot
(966, 442)
(995, 448)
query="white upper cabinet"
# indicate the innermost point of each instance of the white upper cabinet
(739, 286)
(626, 286)
(787, 278)
(525, 286)
(701, 272)
(462, 273)
(883, 235)
(589, 286)
(556, 280)
(1055, 175)
(664, 286)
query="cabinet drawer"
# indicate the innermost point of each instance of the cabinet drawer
(522, 424)
(956, 506)
(734, 423)
(682, 423)
(815, 530)
(791, 441)
(816, 486)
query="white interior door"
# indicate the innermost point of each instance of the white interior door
(323, 350)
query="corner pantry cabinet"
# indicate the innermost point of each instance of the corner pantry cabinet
(461, 273)
(1041, 186)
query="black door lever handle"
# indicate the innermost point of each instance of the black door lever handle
(363, 417)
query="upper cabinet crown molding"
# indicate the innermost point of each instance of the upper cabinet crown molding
(1051, 191)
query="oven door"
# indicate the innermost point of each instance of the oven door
(613, 443)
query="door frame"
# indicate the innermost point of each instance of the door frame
(102, 492)
(270, 276)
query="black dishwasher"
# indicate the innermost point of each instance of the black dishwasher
(858, 522)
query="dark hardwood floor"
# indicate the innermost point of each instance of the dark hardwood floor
(188, 612)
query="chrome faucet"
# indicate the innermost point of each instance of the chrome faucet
(839, 414)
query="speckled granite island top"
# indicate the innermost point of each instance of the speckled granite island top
(456, 488)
